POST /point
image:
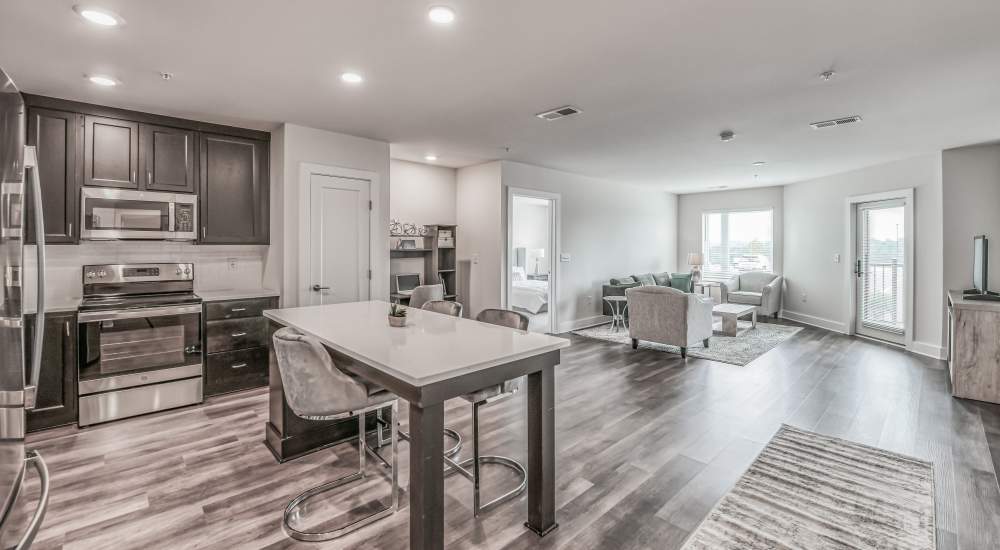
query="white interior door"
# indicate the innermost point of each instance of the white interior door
(880, 270)
(339, 240)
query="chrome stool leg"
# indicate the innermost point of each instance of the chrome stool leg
(292, 511)
(477, 460)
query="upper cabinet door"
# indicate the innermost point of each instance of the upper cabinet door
(111, 156)
(167, 159)
(58, 140)
(234, 190)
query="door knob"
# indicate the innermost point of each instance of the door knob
(317, 288)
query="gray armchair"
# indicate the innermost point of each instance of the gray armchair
(757, 288)
(668, 316)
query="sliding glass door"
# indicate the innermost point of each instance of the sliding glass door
(880, 270)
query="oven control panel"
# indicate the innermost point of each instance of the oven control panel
(129, 273)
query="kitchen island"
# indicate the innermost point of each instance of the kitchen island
(434, 358)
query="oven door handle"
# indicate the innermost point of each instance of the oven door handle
(92, 316)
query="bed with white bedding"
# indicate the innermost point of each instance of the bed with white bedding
(531, 296)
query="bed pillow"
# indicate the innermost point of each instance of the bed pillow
(623, 281)
(646, 279)
(662, 279)
(519, 274)
(682, 281)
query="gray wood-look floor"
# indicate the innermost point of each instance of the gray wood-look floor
(646, 445)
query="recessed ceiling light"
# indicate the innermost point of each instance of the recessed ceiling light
(103, 80)
(99, 16)
(759, 163)
(441, 14)
(352, 78)
(430, 158)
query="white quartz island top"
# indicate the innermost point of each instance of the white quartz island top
(431, 347)
(219, 295)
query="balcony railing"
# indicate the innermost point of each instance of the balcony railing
(883, 295)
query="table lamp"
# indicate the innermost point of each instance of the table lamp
(695, 260)
(539, 255)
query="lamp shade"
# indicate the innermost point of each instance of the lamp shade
(695, 258)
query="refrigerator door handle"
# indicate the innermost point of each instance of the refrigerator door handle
(31, 386)
(35, 459)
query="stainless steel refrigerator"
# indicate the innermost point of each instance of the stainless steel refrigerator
(19, 518)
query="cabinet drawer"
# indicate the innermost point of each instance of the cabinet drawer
(236, 309)
(235, 370)
(233, 334)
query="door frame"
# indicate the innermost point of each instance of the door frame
(555, 239)
(907, 196)
(306, 171)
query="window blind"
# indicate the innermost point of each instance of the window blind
(736, 241)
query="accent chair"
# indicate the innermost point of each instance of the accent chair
(668, 316)
(756, 288)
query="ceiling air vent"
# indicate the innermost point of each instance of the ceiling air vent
(559, 112)
(836, 122)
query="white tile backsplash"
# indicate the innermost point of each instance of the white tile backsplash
(63, 278)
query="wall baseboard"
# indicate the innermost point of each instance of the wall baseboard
(930, 350)
(583, 323)
(812, 320)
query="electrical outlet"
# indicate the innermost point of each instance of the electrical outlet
(836, 258)
(475, 258)
(233, 264)
(804, 297)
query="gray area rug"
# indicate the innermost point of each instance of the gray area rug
(749, 344)
(806, 490)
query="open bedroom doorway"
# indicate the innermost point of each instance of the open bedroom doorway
(532, 254)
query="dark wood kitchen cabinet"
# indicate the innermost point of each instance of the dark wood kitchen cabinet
(236, 336)
(82, 144)
(58, 140)
(56, 398)
(167, 159)
(111, 152)
(234, 190)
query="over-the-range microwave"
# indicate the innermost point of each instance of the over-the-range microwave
(130, 214)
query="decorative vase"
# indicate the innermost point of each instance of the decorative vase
(397, 321)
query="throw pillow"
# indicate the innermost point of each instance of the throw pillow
(646, 279)
(623, 281)
(662, 279)
(682, 281)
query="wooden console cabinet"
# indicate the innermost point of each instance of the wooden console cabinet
(974, 348)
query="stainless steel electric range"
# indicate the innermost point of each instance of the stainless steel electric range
(140, 340)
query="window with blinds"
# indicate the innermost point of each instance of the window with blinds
(882, 271)
(736, 241)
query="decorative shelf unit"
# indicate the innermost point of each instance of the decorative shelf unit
(440, 262)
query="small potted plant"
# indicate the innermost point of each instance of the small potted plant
(397, 315)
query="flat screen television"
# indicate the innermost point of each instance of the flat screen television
(980, 264)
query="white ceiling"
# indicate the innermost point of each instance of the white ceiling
(657, 79)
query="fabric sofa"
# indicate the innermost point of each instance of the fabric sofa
(669, 316)
(618, 285)
(757, 288)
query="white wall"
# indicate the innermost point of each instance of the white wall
(971, 207)
(300, 144)
(479, 237)
(815, 219)
(531, 232)
(608, 228)
(691, 206)
(422, 193)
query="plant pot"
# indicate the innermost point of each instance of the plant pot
(397, 321)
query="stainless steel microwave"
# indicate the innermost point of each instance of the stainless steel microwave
(131, 214)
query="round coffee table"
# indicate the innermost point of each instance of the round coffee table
(619, 305)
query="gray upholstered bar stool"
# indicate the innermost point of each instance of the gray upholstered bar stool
(316, 389)
(444, 307)
(425, 293)
(510, 319)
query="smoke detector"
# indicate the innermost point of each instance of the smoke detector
(559, 112)
(836, 122)
(727, 135)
